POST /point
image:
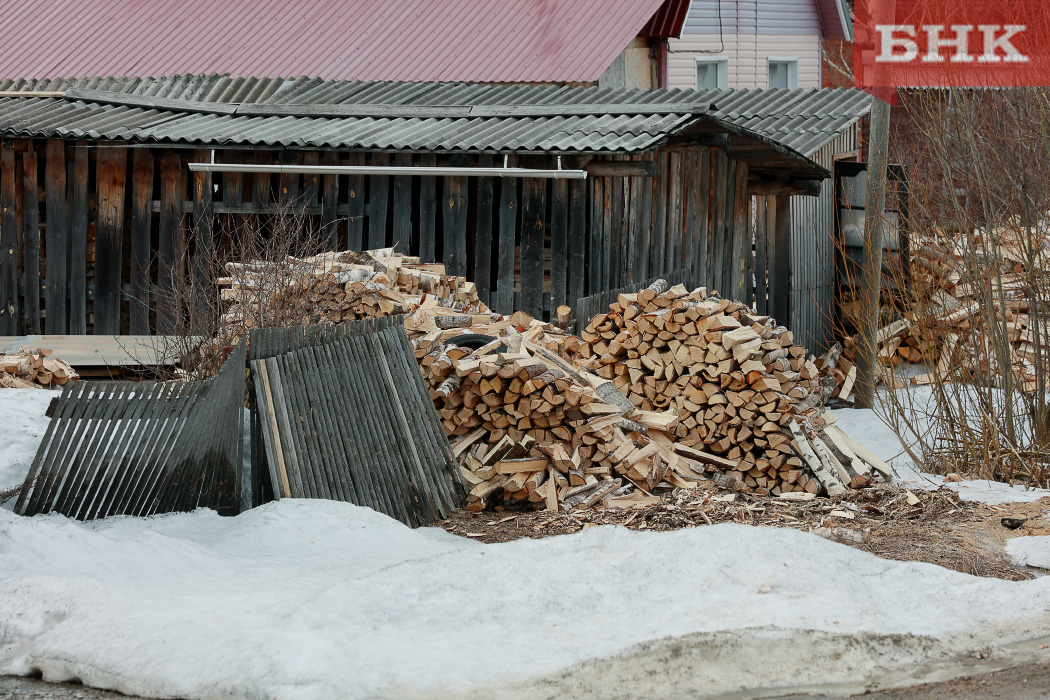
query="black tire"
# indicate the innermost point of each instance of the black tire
(474, 341)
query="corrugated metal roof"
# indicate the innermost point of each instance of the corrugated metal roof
(668, 20)
(407, 40)
(803, 120)
(777, 127)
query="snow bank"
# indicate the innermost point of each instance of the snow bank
(1030, 551)
(24, 423)
(316, 599)
(865, 426)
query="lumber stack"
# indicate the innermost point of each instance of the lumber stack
(340, 286)
(533, 428)
(34, 370)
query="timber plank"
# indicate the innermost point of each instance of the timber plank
(109, 239)
(577, 277)
(615, 232)
(8, 240)
(428, 208)
(330, 204)
(675, 233)
(596, 258)
(141, 235)
(642, 218)
(454, 215)
(378, 202)
(658, 255)
(559, 242)
(355, 217)
(728, 221)
(170, 237)
(30, 242)
(78, 225)
(703, 230)
(402, 211)
(55, 242)
(483, 232)
(533, 209)
(508, 226)
(204, 222)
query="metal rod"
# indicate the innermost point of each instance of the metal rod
(386, 170)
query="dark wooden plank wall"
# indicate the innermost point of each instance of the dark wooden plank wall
(135, 215)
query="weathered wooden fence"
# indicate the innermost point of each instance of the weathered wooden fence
(588, 307)
(141, 448)
(91, 232)
(343, 414)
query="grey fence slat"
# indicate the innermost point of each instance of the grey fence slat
(141, 448)
(352, 396)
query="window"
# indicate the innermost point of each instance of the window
(712, 73)
(783, 73)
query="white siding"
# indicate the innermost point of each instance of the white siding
(747, 54)
(753, 17)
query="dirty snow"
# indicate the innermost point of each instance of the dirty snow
(865, 426)
(317, 599)
(1031, 551)
(22, 415)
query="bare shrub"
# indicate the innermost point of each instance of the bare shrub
(975, 293)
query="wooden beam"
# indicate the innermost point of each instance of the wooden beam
(31, 242)
(8, 241)
(607, 168)
(141, 235)
(109, 240)
(758, 185)
(871, 264)
(780, 279)
(78, 224)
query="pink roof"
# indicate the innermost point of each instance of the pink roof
(406, 40)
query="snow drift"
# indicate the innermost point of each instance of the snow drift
(317, 599)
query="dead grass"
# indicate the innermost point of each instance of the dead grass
(888, 521)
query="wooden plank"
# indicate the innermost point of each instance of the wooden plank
(533, 209)
(330, 204)
(204, 222)
(109, 239)
(288, 192)
(30, 242)
(170, 237)
(483, 233)
(262, 184)
(559, 243)
(355, 216)
(779, 284)
(141, 235)
(311, 196)
(508, 226)
(577, 273)
(99, 350)
(55, 242)
(454, 218)
(428, 210)
(675, 234)
(378, 203)
(596, 252)
(9, 311)
(690, 211)
(616, 235)
(658, 247)
(642, 222)
(703, 215)
(760, 256)
(728, 222)
(741, 239)
(78, 225)
(232, 197)
(402, 212)
(718, 190)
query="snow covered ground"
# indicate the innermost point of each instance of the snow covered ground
(316, 599)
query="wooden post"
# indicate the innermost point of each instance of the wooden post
(780, 280)
(871, 275)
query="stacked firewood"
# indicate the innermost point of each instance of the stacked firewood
(532, 428)
(338, 287)
(34, 370)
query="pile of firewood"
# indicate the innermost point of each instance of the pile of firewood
(338, 287)
(33, 370)
(531, 427)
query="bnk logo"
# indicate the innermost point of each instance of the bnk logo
(951, 43)
(899, 43)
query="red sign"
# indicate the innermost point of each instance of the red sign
(951, 43)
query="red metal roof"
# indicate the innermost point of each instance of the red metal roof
(405, 40)
(668, 20)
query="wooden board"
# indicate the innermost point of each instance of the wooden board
(503, 301)
(402, 210)
(454, 218)
(97, 350)
(78, 226)
(141, 236)
(483, 233)
(378, 202)
(30, 242)
(532, 229)
(55, 243)
(109, 239)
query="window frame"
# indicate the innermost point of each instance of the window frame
(792, 71)
(721, 64)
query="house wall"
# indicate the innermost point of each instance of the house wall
(93, 233)
(748, 32)
(635, 67)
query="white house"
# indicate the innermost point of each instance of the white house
(755, 43)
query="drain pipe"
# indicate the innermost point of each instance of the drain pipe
(409, 171)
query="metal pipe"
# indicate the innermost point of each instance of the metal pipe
(386, 170)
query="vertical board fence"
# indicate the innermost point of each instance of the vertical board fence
(141, 448)
(343, 414)
(109, 225)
